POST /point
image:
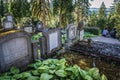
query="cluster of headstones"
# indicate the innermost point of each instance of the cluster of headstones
(16, 49)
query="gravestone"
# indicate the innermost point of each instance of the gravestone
(39, 26)
(29, 29)
(81, 30)
(71, 35)
(8, 25)
(51, 42)
(15, 50)
(9, 17)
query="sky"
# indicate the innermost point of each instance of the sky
(97, 3)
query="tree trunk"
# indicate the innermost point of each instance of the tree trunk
(44, 15)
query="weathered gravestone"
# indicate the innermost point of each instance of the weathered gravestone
(15, 50)
(39, 26)
(81, 30)
(51, 42)
(8, 23)
(29, 29)
(71, 34)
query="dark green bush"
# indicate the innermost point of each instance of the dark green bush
(93, 30)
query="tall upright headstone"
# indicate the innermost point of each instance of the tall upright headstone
(51, 41)
(71, 34)
(8, 23)
(15, 50)
(81, 30)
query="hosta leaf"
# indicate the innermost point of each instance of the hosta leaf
(25, 74)
(35, 72)
(61, 73)
(87, 77)
(33, 78)
(17, 76)
(94, 72)
(104, 77)
(46, 76)
(14, 70)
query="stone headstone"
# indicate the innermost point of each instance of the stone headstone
(52, 40)
(39, 26)
(15, 50)
(71, 35)
(29, 29)
(81, 30)
(9, 17)
(71, 32)
(8, 25)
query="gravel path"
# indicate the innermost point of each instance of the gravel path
(106, 40)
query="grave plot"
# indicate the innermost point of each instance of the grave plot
(98, 49)
(50, 42)
(15, 50)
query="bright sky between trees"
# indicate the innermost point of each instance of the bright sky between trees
(97, 3)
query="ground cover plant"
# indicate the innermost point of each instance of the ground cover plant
(53, 69)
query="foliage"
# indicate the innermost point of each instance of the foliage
(20, 9)
(89, 35)
(102, 17)
(41, 10)
(117, 18)
(92, 19)
(63, 9)
(54, 69)
(93, 30)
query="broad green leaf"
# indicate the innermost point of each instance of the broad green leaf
(17, 76)
(104, 77)
(14, 70)
(94, 72)
(61, 73)
(35, 73)
(33, 78)
(43, 69)
(25, 74)
(87, 77)
(46, 76)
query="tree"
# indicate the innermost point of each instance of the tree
(92, 19)
(81, 9)
(19, 9)
(117, 18)
(41, 10)
(102, 16)
(63, 9)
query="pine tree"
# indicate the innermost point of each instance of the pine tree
(102, 16)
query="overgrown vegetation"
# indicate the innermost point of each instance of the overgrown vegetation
(53, 69)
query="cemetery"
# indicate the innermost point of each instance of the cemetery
(59, 45)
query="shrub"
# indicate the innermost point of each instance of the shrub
(93, 30)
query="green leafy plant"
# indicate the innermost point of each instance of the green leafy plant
(53, 69)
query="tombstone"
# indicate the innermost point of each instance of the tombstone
(8, 25)
(71, 35)
(81, 30)
(29, 29)
(9, 17)
(39, 26)
(51, 42)
(15, 50)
